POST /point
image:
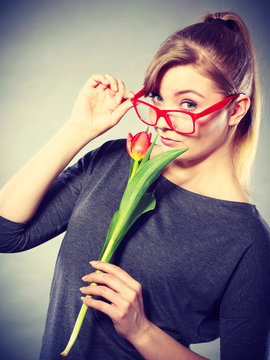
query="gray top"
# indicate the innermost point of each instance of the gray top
(204, 263)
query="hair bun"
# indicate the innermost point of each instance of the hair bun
(230, 24)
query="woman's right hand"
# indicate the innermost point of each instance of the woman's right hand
(101, 103)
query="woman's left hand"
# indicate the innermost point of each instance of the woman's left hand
(125, 296)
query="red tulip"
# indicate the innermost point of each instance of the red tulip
(138, 145)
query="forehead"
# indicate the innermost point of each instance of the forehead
(186, 77)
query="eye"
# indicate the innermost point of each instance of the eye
(188, 105)
(155, 98)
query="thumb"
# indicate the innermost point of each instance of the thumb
(121, 110)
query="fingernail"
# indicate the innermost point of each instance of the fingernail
(82, 298)
(84, 278)
(93, 262)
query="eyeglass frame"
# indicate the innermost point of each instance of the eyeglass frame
(194, 116)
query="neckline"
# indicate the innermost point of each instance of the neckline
(201, 197)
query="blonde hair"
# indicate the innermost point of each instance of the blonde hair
(221, 47)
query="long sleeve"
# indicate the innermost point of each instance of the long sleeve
(245, 309)
(53, 214)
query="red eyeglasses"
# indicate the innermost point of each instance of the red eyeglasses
(182, 122)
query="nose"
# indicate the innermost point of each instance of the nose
(162, 123)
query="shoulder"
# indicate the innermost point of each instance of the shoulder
(249, 230)
(111, 156)
(95, 161)
(106, 152)
(261, 245)
(239, 224)
(256, 226)
(255, 233)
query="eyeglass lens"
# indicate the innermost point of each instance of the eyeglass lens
(181, 122)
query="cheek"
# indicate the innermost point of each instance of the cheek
(210, 135)
(152, 116)
(212, 125)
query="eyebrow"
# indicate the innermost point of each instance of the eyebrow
(182, 92)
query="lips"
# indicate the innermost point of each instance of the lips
(168, 141)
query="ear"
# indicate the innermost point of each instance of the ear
(239, 109)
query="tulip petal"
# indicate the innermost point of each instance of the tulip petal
(138, 145)
(128, 144)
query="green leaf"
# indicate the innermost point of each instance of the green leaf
(146, 203)
(135, 190)
(148, 152)
(143, 178)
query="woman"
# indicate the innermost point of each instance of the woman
(198, 266)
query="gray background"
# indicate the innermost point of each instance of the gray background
(48, 49)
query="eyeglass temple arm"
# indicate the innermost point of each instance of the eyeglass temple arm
(221, 104)
(139, 94)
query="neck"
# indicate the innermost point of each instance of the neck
(211, 176)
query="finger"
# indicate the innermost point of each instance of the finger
(121, 110)
(97, 79)
(121, 91)
(129, 94)
(125, 292)
(122, 88)
(117, 272)
(105, 293)
(102, 306)
(113, 82)
(108, 280)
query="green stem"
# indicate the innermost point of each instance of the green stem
(108, 251)
(78, 325)
(76, 330)
(134, 169)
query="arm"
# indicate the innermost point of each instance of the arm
(100, 105)
(127, 313)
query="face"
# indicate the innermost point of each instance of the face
(184, 88)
